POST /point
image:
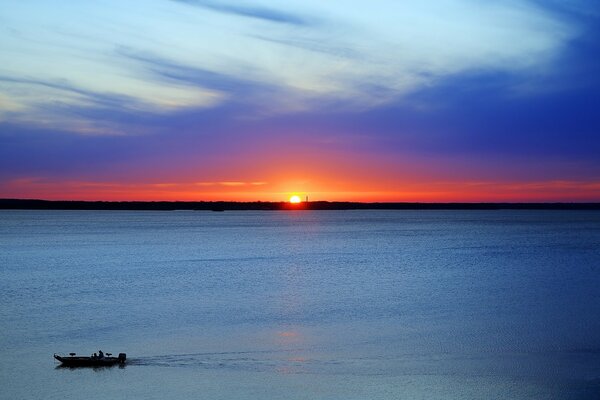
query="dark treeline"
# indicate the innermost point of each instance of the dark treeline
(19, 204)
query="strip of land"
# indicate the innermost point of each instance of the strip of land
(28, 204)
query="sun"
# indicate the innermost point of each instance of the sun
(295, 199)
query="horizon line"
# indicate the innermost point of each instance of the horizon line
(224, 205)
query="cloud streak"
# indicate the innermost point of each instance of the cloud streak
(260, 13)
(99, 99)
(173, 71)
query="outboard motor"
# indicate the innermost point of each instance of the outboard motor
(122, 357)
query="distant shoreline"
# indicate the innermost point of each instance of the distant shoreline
(28, 204)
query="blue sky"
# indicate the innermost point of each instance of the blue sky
(383, 100)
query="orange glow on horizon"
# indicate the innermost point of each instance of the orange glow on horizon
(324, 190)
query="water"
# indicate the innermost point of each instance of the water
(302, 305)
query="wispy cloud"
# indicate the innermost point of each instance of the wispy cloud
(257, 93)
(261, 13)
(74, 109)
(186, 74)
(99, 99)
(63, 105)
(315, 45)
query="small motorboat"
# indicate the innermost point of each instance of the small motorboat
(73, 360)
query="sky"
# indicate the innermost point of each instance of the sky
(413, 100)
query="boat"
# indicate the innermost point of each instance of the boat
(74, 360)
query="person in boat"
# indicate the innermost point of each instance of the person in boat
(94, 355)
(100, 354)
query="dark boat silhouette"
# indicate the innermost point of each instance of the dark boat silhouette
(93, 361)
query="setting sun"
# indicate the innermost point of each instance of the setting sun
(295, 199)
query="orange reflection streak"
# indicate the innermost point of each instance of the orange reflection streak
(288, 334)
(295, 363)
(297, 359)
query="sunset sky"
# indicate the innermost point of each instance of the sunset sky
(445, 100)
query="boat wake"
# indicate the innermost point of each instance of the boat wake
(282, 361)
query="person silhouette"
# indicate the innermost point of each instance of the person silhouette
(100, 354)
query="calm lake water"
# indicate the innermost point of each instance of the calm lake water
(302, 305)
